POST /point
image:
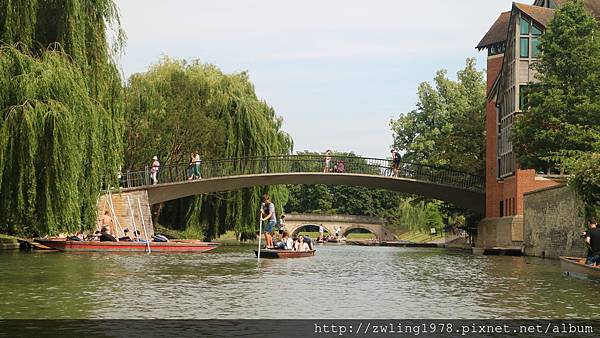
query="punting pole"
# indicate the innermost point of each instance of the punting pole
(115, 219)
(144, 224)
(131, 211)
(259, 237)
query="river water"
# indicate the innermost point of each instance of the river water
(339, 282)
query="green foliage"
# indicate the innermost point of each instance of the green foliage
(51, 145)
(60, 112)
(415, 216)
(347, 200)
(585, 180)
(178, 107)
(563, 113)
(447, 127)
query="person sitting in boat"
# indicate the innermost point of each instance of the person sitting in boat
(138, 236)
(593, 241)
(105, 236)
(301, 245)
(126, 237)
(93, 237)
(287, 243)
(308, 241)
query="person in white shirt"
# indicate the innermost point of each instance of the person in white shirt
(321, 231)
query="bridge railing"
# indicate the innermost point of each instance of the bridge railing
(305, 164)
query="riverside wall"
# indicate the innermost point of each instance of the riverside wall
(553, 220)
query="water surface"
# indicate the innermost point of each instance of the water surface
(339, 282)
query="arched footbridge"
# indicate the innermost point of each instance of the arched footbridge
(459, 188)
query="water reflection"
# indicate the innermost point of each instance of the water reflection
(339, 282)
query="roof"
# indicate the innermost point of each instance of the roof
(497, 33)
(542, 15)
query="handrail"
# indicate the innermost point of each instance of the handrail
(213, 168)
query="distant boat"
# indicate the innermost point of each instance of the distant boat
(272, 253)
(62, 244)
(577, 266)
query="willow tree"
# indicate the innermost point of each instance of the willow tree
(178, 107)
(60, 112)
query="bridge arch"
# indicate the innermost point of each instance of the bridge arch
(468, 199)
(461, 189)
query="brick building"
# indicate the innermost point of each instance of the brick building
(512, 44)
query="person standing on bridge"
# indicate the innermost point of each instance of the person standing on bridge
(396, 158)
(154, 170)
(267, 212)
(197, 162)
(327, 161)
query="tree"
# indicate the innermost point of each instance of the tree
(60, 113)
(562, 116)
(447, 127)
(178, 107)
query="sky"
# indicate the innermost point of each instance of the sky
(337, 71)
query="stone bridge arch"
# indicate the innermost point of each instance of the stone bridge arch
(375, 225)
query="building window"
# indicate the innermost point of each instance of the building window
(522, 97)
(524, 26)
(535, 30)
(524, 47)
(501, 208)
(535, 47)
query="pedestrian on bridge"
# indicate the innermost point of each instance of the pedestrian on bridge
(327, 161)
(396, 158)
(154, 170)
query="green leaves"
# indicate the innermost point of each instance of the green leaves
(61, 109)
(178, 107)
(51, 146)
(563, 113)
(447, 128)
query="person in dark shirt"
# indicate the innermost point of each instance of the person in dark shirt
(105, 236)
(126, 237)
(593, 241)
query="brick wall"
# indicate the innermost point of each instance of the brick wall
(493, 189)
(127, 217)
(552, 223)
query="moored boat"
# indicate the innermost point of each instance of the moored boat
(577, 265)
(171, 246)
(272, 253)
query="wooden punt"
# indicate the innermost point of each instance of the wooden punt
(171, 246)
(577, 265)
(272, 253)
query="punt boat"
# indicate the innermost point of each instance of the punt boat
(577, 265)
(66, 245)
(273, 253)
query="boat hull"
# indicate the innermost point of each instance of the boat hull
(577, 266)
(274, 254)
(96, 246)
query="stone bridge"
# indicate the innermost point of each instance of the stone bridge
(294, 223)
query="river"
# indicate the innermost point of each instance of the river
(339, 282)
